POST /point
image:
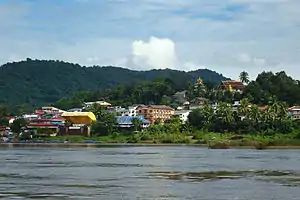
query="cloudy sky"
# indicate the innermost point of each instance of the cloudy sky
(227, 36)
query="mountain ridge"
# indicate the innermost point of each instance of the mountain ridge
(38, 82)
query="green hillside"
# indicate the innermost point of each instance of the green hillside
(37, 82)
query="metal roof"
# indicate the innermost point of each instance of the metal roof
(128, 119)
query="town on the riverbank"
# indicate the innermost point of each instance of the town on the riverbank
(234, 121)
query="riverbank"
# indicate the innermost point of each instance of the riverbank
(198, 139)
(115, 145)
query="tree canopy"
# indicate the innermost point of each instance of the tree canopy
(38, 82)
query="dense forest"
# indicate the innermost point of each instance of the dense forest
(269, 87)
(39, 82)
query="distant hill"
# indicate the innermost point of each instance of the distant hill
(37, 82)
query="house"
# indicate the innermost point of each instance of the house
(294, 112)
(194, 106)
(132, 110)
(51, 110)
(182, 114)
(78, 123)
(155, 113)
(118, 110)
(50, 124)
(180, 97)
(75, 110)
(126, 121)
(101, 103)
(232, 86)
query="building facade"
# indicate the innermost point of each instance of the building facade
(155, 113)
(295, 112)
(182, 115)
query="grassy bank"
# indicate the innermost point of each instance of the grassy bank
(211, 140)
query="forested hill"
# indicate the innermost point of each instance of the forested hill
(37, 82)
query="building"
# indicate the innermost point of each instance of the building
(194, 106)
(132, 110)
(126, 121)
(155, 113)
(180, 97)
(75, 110)
(51, 125)
(78, 123)
(182, 115)
(101, 103)
(232, 86)
(118, 110)
(51, 110)
(294, 112)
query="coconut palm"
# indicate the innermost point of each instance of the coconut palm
(244, 77)
(244, 108)
(225, 113)
(255, 113)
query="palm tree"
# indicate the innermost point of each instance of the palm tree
(255, 113)
(244, 77)
(244, 109)
(225, 113)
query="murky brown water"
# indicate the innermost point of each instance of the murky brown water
(149, 173)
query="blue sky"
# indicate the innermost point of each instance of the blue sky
(227, 36)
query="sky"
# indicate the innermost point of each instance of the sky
(227, 36)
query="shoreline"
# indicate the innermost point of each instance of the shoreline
(107, 145)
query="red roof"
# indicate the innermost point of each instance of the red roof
(263, 108)
(294, 108)
(41, 124)
(234, 84)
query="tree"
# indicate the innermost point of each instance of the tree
(105, 123)
(18, 124)
(244, 108)
(3, 116)
(244, 77)
(136, 123)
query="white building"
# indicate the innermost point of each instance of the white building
(131, 111)
(182, 114)
(295, 112)
(101, 103)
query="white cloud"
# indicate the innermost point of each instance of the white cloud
(247, 59)
(156, 53)
(259, 35)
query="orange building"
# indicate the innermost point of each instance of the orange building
(155, 112)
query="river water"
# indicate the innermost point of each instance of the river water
(149, 173)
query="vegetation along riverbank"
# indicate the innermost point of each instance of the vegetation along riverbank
(232, 114)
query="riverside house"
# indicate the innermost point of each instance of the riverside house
(126, 121)
(155, 113)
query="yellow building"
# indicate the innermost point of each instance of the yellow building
(78, 123)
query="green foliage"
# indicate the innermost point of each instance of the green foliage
(39, 82)
(268, 85)
(18, 124)
(3, 116)
(244, 77)
(105, 124)
(248, 119)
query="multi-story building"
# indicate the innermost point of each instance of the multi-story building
(155, 113)
(295, 112)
